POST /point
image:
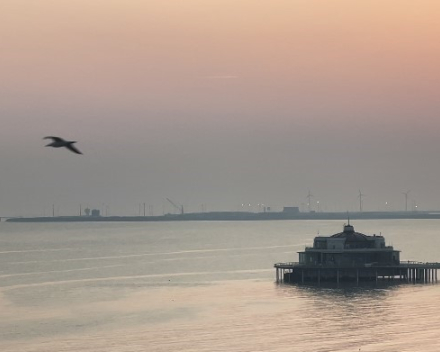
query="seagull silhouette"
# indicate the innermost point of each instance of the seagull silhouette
(58, 142)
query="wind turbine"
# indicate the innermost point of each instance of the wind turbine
(406, 199)
(360, 200)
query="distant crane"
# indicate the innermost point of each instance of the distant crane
(309, 197)
(178, 207)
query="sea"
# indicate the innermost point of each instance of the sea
(204, 287)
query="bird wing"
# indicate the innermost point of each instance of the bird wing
(55, 139)
(72, 148)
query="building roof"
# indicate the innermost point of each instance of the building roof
(350, 235)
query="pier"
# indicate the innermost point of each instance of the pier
(411, 272)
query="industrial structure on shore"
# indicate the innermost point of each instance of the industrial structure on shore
(352, 256)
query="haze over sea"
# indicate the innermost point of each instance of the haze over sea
(203, 286)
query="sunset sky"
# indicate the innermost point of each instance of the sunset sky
(220, 103)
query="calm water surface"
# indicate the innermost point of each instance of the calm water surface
(203, 286)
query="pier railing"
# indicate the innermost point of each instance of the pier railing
(402, 264)
(410, 271)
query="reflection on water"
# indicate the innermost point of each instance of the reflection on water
(246, 316)
(384, 317)
(195, 287)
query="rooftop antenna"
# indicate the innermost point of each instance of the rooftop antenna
(348, 218)
(309, 197)
(360, 200)
(406, 199)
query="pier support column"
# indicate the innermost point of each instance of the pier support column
(357, 276)
(302, 276)
(319, 276)
(337, 276)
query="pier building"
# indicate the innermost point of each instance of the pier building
(353, 256)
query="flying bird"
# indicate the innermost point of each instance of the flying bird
(58, 142)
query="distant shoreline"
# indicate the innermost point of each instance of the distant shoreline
(239, 216)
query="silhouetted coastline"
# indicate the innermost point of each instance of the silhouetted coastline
(240, 216)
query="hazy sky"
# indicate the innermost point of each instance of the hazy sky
(219, 102)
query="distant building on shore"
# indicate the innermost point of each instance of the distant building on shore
(92, 212)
